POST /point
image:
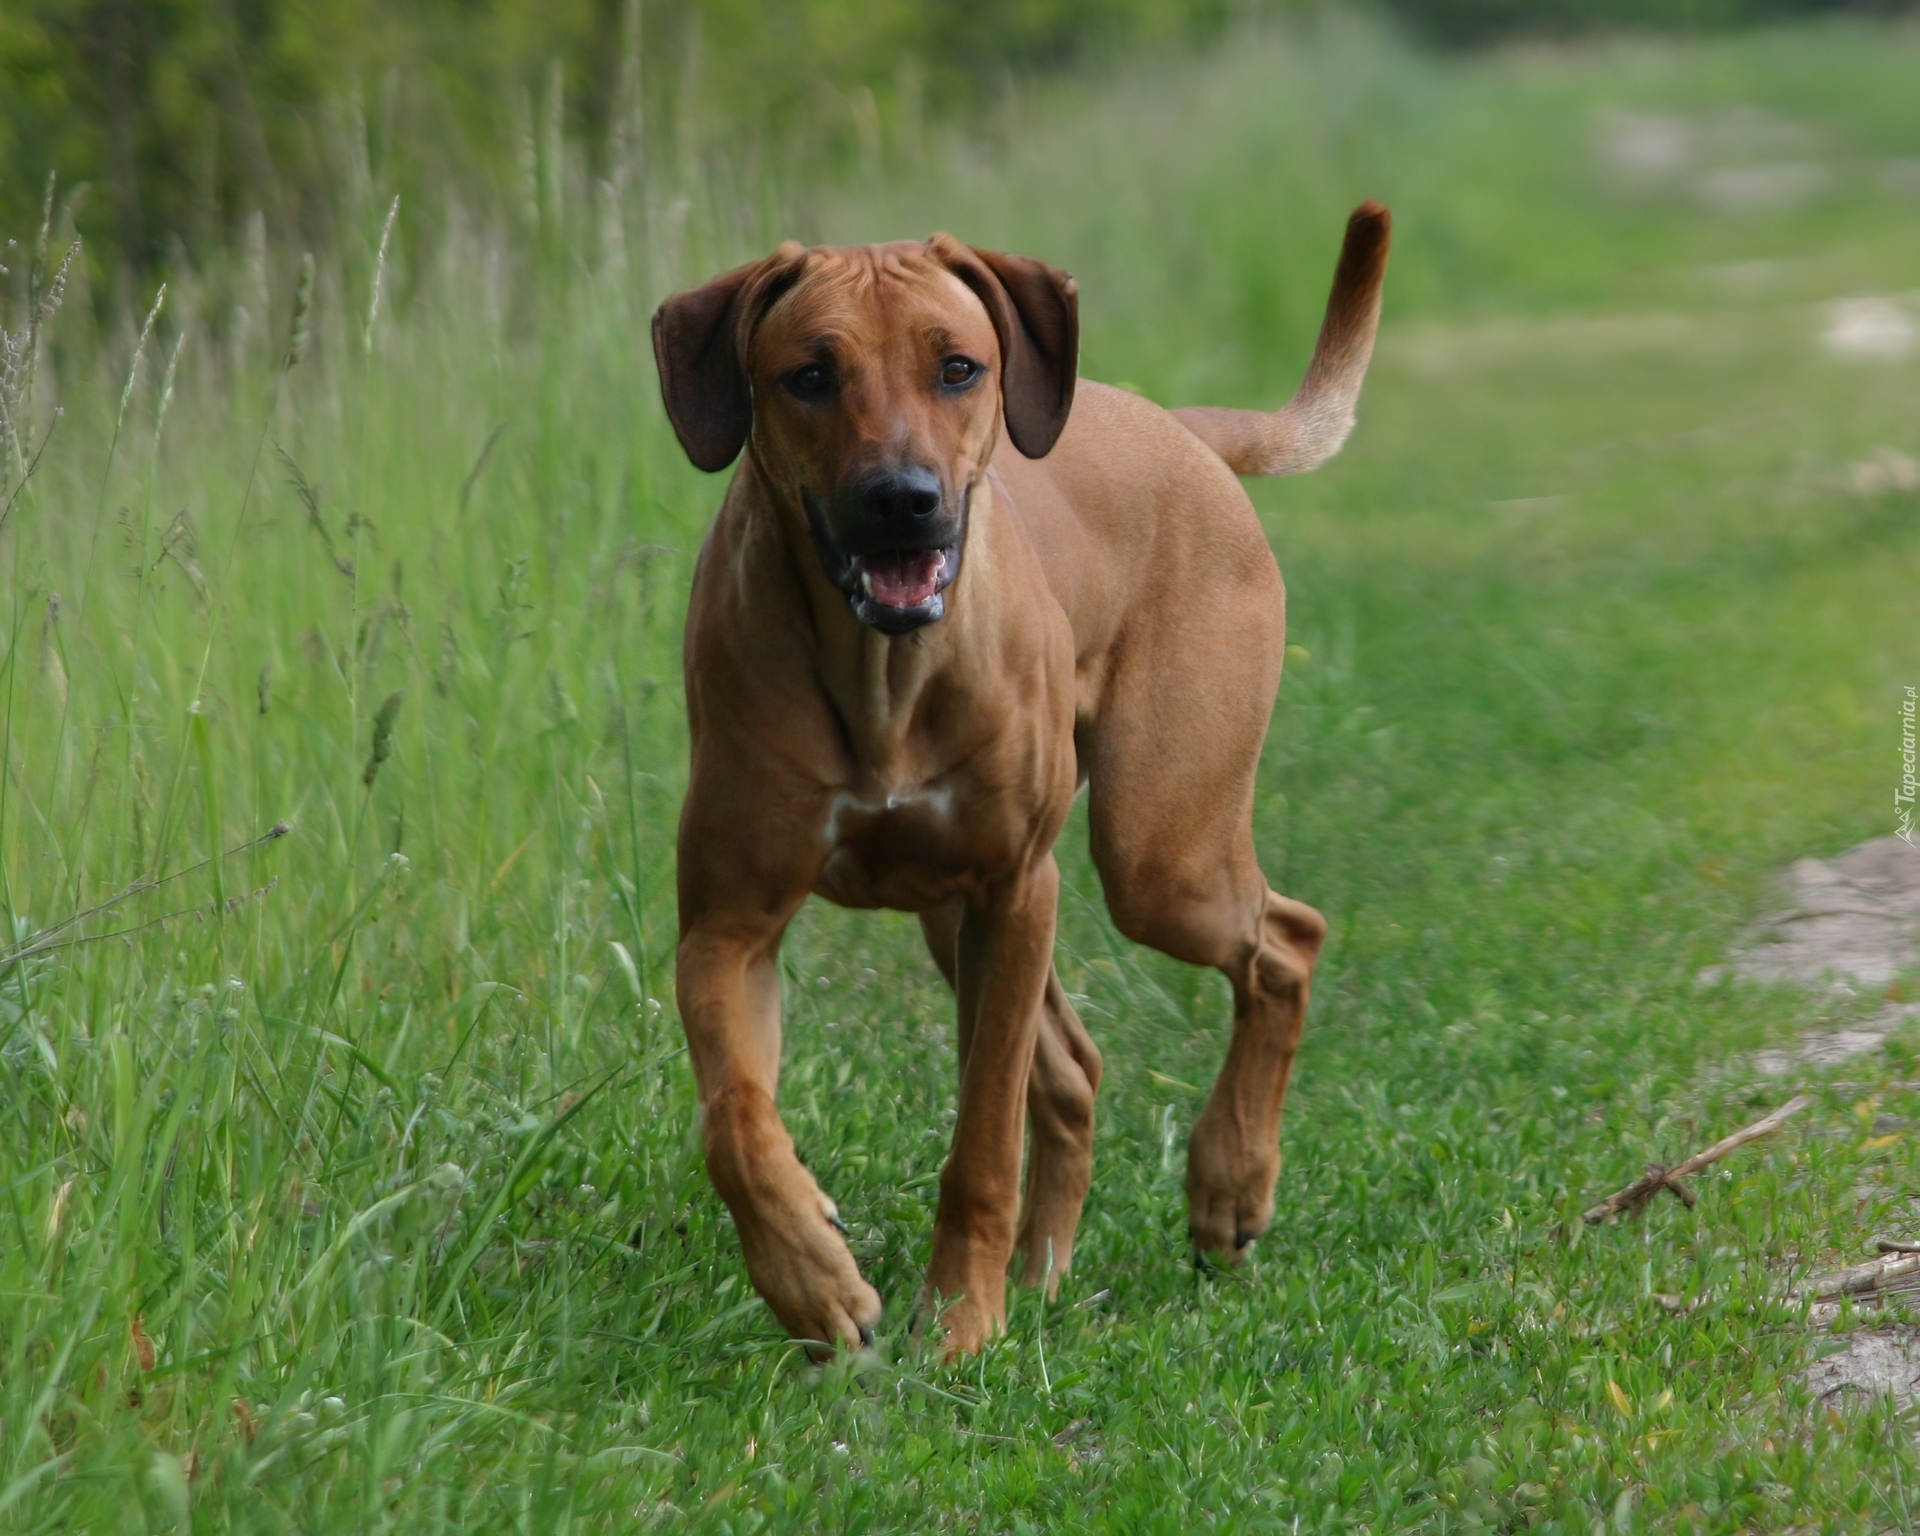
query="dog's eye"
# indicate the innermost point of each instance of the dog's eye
(958, 372)
(812, 381)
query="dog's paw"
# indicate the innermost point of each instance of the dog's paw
(1041, 1258)
(1229, 1191)
(960, 1326)
(821, 1300)
(800, 1265)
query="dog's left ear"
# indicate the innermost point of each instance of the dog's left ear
(1036, 314)
(700, 346)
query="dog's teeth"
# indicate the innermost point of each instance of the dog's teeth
(866, 583)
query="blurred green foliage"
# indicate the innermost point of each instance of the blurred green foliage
(184, 117)
(1481, 21)
(180, 120)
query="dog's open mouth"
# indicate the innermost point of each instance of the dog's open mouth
(901, 578)
(897, 590)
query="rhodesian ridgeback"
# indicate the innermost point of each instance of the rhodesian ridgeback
(949, 586)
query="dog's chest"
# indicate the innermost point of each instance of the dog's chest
(953, 775)
(910, 847)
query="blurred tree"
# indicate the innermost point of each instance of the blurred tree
(176, 120)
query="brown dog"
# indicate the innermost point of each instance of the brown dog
(908, 645)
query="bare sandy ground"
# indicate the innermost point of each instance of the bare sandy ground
(1849, 925)
(1870, 1361)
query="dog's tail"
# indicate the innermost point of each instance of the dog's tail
(1309, 429)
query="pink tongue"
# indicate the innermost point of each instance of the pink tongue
(903, 579)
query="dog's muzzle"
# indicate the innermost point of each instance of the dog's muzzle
(891, 545)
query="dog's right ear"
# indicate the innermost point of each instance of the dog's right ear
(700, 347)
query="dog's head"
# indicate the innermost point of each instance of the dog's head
(872, 382)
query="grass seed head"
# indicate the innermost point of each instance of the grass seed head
(56, 289)
(139, 351)
(301, 328)
(19, 351)
(166, 387)
(382, 735)
(380, 272)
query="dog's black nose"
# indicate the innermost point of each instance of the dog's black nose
(899, 495)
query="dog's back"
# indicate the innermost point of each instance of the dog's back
(1133, 510)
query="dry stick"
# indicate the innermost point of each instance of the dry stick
(1864, 1280)
(1657, 1178)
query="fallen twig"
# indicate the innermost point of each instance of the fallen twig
(1657, 1178)
(1869, 1279)
(1893, 1245)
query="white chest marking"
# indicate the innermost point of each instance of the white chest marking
(937, 798)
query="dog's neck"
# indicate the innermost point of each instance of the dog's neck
(877, 683)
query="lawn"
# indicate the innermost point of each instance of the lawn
(353, 1181)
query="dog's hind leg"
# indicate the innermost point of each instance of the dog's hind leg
(1221, 914)
(1172, 763)
(1060, 1090)
(1233, 1156)
(1060, 1093)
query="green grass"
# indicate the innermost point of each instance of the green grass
(386, 1138)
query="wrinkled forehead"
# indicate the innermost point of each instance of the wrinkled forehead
(882, 297)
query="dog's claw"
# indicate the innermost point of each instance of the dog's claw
(834, 1221)
(1242, 1239)
(866, 1337)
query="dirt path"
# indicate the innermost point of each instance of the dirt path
(1849, 924)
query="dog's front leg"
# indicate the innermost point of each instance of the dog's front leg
(729, 992)
(1005, 950)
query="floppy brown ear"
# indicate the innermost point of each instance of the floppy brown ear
(700, 344)
(1036, 313)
